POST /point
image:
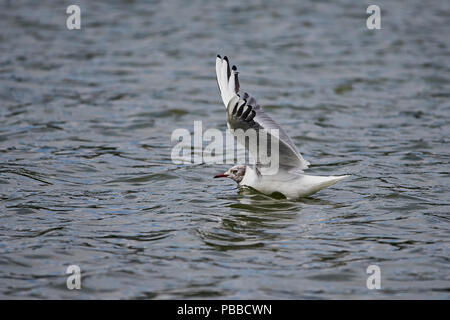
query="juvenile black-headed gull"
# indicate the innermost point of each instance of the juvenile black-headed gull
(243, 112)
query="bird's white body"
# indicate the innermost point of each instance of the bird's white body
(291, 186)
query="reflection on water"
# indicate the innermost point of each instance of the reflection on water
(256, 218)
(86, 175)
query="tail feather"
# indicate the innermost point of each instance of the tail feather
(334, 179)
(317, 183)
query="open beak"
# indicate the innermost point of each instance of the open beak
(222, 175)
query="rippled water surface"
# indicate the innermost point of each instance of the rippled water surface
(86, 175)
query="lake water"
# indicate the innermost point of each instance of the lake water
(86, 176)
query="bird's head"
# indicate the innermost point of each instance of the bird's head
(235, 173)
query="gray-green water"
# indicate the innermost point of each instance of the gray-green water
(86, 176)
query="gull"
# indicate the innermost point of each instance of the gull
(243, 112)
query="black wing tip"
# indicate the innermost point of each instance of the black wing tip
(228, 67)
(252, 115)
(239, 111)
(246, 113)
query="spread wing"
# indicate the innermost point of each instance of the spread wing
(243, 112)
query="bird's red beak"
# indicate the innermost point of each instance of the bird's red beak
(222, 175)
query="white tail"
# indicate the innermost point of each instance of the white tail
(312, 184)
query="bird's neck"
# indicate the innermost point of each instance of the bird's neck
(249, 176)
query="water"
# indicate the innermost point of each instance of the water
(86, 176)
